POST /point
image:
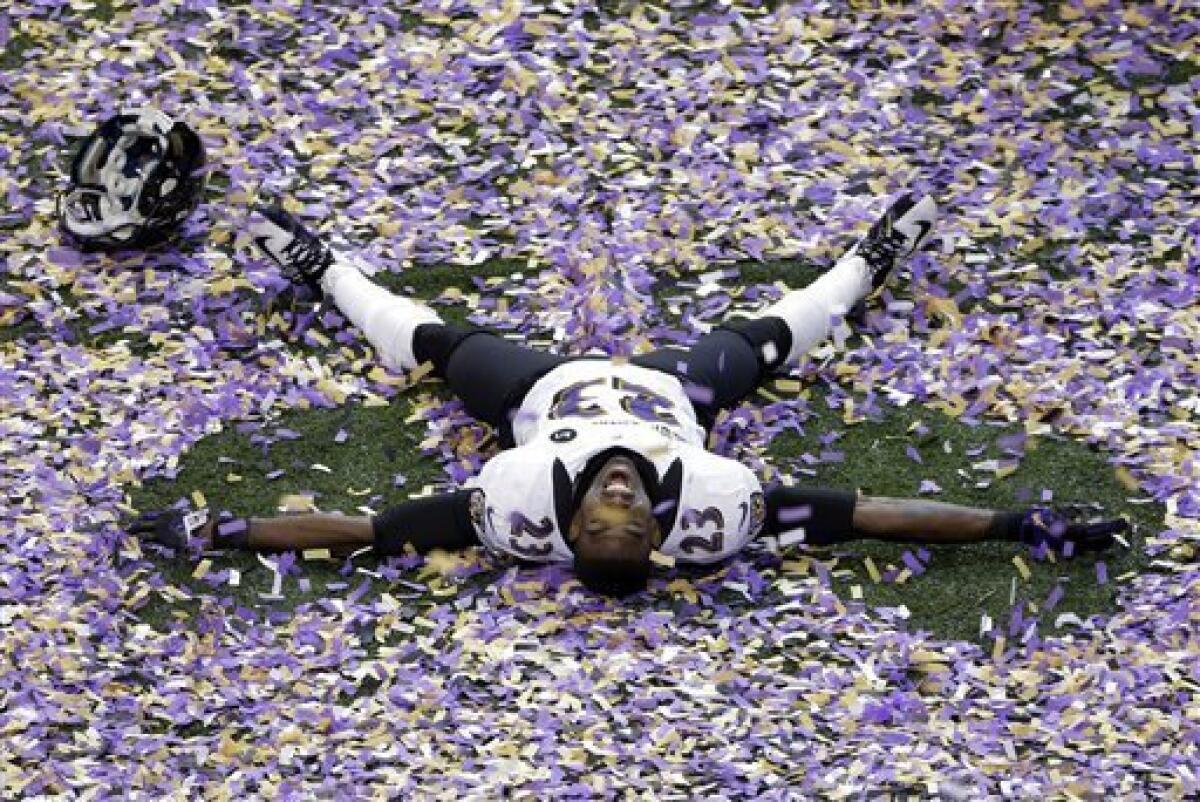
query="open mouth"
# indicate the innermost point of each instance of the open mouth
(617, 480)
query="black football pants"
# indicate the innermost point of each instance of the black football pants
(492, 375)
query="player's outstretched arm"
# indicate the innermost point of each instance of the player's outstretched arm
(886, 518)
(833, 516)
(435, 522)
(938, 522)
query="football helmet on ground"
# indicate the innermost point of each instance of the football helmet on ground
(133, 181)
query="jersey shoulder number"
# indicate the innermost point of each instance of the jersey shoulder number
(720, 508)
(519, 509)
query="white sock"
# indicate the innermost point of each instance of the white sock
(809, 312)
(389, 321)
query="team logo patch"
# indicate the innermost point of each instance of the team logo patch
(563, 435)
(758, 512)
(477, 506)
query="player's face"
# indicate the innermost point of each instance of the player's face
(615, 516)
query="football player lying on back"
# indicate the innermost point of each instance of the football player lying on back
(605, 460)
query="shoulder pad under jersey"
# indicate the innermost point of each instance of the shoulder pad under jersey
(526, 506)
(719, 510)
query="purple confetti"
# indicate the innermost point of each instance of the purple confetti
(614, 158)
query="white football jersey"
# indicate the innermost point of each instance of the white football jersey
(708, 507)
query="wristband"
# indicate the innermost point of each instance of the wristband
(1005, 525)
(231, 533)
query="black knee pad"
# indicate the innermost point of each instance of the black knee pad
(770, 337)
(435, 342)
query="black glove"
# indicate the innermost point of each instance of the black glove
(178, 529)
(1055, 527)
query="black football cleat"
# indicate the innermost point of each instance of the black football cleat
(302, 256)
(904, 227)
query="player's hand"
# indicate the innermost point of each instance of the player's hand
(1055, 527)
(179, 529)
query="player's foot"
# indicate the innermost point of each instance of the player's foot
(904, 227)
(301, 255)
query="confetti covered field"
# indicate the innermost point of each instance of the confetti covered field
(613, 176)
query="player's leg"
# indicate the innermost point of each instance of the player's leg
(489, 373)
(485, 370)
(809, 314)
(719, 369)
(727, 365)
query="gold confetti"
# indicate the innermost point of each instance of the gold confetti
(872, 570)
(662, 560)
(998, 649)
(1126, 478)
(294, 503)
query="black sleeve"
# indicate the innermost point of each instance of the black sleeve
(826, 515)
(435, 522)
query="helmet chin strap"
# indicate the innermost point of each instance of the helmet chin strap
(111, 221)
